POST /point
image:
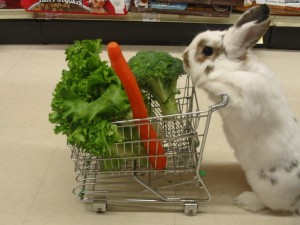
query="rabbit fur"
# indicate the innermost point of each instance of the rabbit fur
(258, 122)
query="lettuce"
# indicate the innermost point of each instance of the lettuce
(87, 99)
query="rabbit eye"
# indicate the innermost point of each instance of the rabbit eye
(207, 51)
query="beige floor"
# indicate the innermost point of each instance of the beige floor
(37, 175)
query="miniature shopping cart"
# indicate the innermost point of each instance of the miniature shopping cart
(128, 179)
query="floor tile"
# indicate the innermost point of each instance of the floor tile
(2, 74)
(10, 56)
(23, 165)
(242, 218)
(98, 220)
(30, 135)
(40, 62)
(25, 102)
(12, 219)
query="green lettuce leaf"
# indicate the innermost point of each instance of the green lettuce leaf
(87, 100)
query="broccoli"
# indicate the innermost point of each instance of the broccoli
(157, 73)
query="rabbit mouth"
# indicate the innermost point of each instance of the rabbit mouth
(201, 74)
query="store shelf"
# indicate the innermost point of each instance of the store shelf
(15, 14)
(19, 26)
(286, 21)
(133, 17)
(278, 21)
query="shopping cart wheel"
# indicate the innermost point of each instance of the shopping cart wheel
(99, 206)
(191, 208)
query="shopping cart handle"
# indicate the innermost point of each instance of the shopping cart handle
(222, 104)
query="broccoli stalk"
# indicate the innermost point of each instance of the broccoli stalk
(157, 73)
(164, 93)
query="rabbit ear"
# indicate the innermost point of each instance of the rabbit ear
(246, 32)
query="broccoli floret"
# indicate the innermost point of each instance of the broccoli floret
(157, 73)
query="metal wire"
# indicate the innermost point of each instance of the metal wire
(180, 137)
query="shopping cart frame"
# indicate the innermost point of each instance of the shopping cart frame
(179, 134)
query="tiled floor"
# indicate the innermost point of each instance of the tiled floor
(37, 175)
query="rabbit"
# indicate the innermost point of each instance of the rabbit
(258, 122)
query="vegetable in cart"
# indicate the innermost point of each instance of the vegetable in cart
(87, 99)
(139, 110)
(157, 73)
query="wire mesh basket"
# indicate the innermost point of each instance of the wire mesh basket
(127, 176)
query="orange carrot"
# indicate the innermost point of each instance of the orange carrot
(139, 110)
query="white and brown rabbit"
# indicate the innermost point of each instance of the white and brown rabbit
(258, 122)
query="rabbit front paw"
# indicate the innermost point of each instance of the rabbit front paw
(248, 201)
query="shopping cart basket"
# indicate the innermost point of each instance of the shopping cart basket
(127, 177)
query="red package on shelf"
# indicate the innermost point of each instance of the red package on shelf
(101, 7)
(10, 4)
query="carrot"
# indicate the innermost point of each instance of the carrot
(139, 110)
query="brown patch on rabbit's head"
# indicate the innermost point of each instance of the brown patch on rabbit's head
(206, 50)
(186, 61)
